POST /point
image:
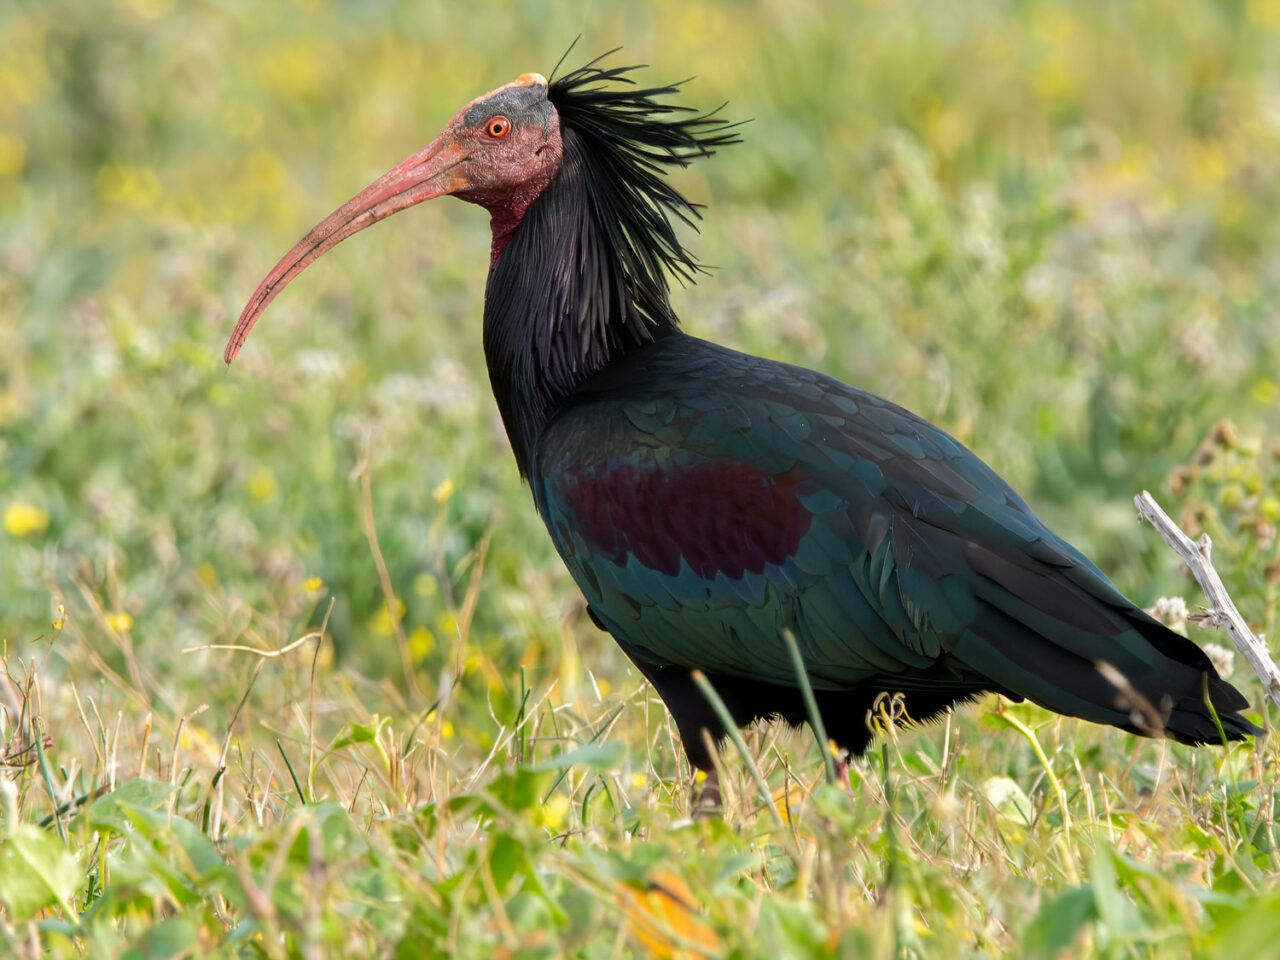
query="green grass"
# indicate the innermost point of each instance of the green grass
(1049, 227)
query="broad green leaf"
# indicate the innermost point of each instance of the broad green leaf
(1254, 932)
(173, 848)
(128, 805)
(36, 871)
(1009, 799)
(1115, 910)
(506, 857)
(1059, 923)
(173, 937)
(520, 789)
(340, 838)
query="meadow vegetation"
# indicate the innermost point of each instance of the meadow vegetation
(292, 668)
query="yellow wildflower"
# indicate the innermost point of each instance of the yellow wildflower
(383, 623)
(1266, 391)
(421, 642)
(554, 812)
(21, 519)
(119, 622)
(262, 484)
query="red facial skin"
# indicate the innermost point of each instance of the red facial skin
(504, 172)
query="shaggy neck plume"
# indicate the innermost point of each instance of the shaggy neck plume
(581, 251)
(559, 304)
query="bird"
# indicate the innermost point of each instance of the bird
(719, 510)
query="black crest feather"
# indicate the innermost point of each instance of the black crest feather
(628, 137)
(584, 278)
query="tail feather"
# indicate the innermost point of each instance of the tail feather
(1173, 688)
(1196, 726)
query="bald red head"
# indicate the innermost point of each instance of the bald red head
(499, 151)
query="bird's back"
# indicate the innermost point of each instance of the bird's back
(706, 500)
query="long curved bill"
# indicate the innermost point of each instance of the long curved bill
(434, 171)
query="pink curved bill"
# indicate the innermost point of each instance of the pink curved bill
(432, 172)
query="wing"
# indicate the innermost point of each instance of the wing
(730, 497)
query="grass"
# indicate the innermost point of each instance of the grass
(293, 670)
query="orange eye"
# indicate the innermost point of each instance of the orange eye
(498, 127)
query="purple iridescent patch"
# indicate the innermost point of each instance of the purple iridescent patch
(719, 516)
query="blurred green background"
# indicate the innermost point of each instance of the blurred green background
(1050, 227)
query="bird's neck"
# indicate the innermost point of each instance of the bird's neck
(559, 304)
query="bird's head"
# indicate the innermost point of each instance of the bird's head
(503, 149)
(500, 151)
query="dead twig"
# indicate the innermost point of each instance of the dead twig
(1222, 609)
(265, 654)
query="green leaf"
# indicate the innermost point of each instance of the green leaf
(1254, 932)
(1115, 910)
(175, 849)
(425, 930)
(1009, 799)
(734, 865)
(520, 789)
(789, 929)
(365, 733)
(362, 732)
(1028, 713)
(594, 756)
(506, 857)
(128, 805)
(170, 938)
(340, 839)
(1059, 923)
(36, 871)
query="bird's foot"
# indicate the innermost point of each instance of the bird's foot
(707, 801)
(842, 770)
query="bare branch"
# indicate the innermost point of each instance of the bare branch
(1222, 609)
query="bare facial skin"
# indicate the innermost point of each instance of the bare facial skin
(499, 151)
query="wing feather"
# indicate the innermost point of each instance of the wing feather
(893, 551)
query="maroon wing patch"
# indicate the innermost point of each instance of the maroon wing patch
(718, 515)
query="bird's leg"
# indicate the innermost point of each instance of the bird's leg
(699, 729)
